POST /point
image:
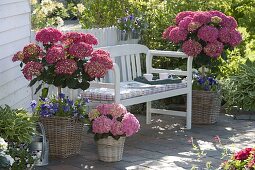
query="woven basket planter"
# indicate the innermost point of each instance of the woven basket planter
(110, 150)
(205, 107)
(64, 136)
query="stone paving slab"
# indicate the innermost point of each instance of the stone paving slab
(165, 145)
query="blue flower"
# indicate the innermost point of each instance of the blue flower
(55, 107)
(33, 104)
(201, 80)
(131, 17)
(66, 108)
(69, 102)
(61, 95)
(86, 100)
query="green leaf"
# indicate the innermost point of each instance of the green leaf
(21, 64)
(72, 83)
(84, 85)
(32, 82)
(45, 92)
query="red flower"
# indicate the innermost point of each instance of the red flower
(89, 39)
(31, 51)
(191, 48)
(80, 50)
(243, 154)
(48, 35)
(19, 56)
(55, 53)
(32, 69)
(71, 37)
(67, 66)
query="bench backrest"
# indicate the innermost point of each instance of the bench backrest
(128, 57)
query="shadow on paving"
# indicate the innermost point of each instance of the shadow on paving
(164, 144)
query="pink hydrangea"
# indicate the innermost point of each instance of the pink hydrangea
(104, 108)
(117, 110)
(89, 39)
(67, 66)
(19, 56)
(230, 36)
(32, 69)
(95, 69)
(202, 17)
(208, 33)
(31, 51)
(117, 128)
(102, 125)
(80, 50)
(229, 22)
(193, 26)
(184, 23)
(55, 53)
(176, 35)
(191, 48)
(102, 57)
(165, 34)
(214, 49)
(182, 15)
(71, 37)
(130, 124)
(48, 35)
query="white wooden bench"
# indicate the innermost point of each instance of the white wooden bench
(127, 66)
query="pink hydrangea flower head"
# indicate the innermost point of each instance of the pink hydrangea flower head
(104, 108)
(93, 114)
(214, 49)
(236, 38)
(89, 39)
(130, 124)
(176, 35)
(67, 66)
(95, 69)
(193, 26)
(80, 50)
(117, 128)
(102, 125)
(218, 14)
(165, 34)
(225, 35)
(230, 36)
(117, 110)
(55, 53)
(229, 22)
(191, 48)
(182, 15)
(216, 20)
(71, 37)
(31, 51)
(48, 35)
(184, 23)
(32, 69)
(19, 56)
(208, 33)
(103, 57)
(202, 17)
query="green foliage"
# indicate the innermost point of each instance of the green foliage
(15, 125)
(48, 13)
(239, 89)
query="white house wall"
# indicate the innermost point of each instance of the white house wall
(14, 34)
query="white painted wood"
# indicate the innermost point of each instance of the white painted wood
(123, 68)
(14, 35)
(120, 50)
(169, 112)
(134, 72)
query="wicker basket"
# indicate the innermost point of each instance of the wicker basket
(64, 135)
(110, 150)
(205, 107)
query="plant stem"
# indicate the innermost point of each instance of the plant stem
(203, 71)
(59, 89)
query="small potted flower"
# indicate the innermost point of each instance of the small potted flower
(244, 159)
(63, 120)
(111, 124)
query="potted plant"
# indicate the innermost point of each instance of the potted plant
(63, 120)
(111, 124)
(17, 129)
(204, 35)
(243, 159)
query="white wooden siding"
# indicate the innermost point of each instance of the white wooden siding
(14, 35)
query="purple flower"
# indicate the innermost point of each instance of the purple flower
(33, 104)
(70, 102)
(182, 15)
(184, 23)
(229, 22)
(202, 17)
(55, 107)
(208, 33)
(61, 95)
(66, 108)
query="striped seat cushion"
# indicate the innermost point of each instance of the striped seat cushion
(130, 89)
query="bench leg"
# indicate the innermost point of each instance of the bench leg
(189, 110)
(148, 113)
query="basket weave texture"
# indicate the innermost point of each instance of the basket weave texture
(64, 135)
(205, 106)
(109, 149)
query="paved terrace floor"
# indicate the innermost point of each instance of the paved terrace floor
(165, 145)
